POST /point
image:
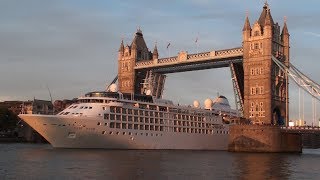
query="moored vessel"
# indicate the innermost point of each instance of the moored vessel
(113, 120)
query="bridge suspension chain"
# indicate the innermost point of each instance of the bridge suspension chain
(299, 78)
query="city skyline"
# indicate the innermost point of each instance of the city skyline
(71, 47)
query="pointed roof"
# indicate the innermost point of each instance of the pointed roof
(138, 40)
(265, 16)
(121, 46)
(285, 28)
(155, 50)
(246, 24)
(268, 21)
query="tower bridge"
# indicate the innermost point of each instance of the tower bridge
(261, 94)
(260, 70)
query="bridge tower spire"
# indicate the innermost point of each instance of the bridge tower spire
(265, 86)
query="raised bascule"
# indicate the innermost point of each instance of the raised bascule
(260, 71)
(261, 87)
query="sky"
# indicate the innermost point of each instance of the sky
(70, 47)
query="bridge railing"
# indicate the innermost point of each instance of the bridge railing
(300, 128)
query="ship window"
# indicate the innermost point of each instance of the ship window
(151, 128)
(118, 125)
(124, 118)
(141, 127)
(151, 120)
(135, 119)
(146, 127)
(140, 112)
(98, 123)
(118, 110)
(146, 120)
(103, 132)
(130, 133)
(124, 133)
(124, 126)
(129, 126)
(106, 116)
(118, 117)
(112, 125)
(136, 126)
(129, 111)
(112, 109)
(129, 118)
(135, 112)
(106, 124)
(117, 133)
(90, 107)
(112, 116)
(110, 132)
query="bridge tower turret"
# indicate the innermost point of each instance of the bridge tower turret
(286, 57)
(265, 86)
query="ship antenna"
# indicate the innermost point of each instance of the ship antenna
(49, 93)
(50, 99)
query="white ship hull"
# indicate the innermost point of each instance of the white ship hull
(85, 132)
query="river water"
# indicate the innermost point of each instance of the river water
(41, 161)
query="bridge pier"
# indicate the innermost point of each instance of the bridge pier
(263, 138)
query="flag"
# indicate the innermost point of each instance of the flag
(168, 45)
(196, 40)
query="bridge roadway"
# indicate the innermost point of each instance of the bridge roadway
(190, 62)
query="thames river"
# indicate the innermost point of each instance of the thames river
(41, 161)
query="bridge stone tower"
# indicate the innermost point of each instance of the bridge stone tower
(134, 81)
(265, 85)
(128, 80)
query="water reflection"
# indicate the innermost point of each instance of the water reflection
(262, 166)
(43, 162)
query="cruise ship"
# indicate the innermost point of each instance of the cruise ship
(114, 120)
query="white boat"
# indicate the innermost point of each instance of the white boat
(113, 120)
